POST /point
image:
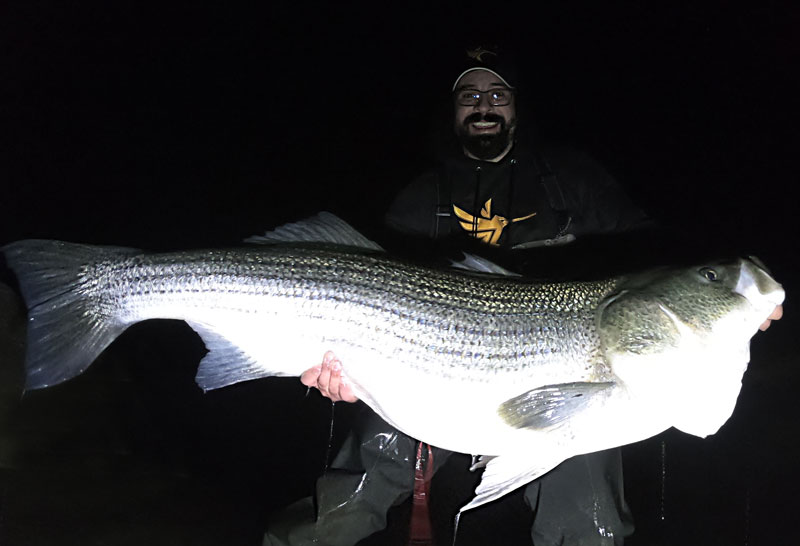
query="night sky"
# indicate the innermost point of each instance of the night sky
(175, 125)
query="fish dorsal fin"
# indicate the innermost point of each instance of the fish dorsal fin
(324, 227)
(477, 264)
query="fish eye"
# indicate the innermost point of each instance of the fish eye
(709, 274)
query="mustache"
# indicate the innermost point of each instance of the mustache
(488, 117)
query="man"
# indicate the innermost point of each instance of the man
(493, 194)
(502, 196)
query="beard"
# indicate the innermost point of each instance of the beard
(485, 147)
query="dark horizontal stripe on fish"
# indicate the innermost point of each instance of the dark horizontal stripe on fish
(445, 289)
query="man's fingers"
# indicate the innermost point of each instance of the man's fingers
(339, 390)
(319, 377)
(346, 394)
(776, 315)
(324, 379)
(310, 377)
(329, 379)
(334, 379)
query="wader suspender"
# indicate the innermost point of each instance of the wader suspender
(444, 204)
(552, 189)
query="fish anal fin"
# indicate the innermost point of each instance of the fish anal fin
(225, 363)
(551, 405)
(505, 473)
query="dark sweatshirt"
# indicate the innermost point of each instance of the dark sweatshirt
(524, 200)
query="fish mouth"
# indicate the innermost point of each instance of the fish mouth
(758, 287)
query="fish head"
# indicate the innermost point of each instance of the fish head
(678, 338)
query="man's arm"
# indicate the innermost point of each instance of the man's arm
(597, 201)
(413, 210)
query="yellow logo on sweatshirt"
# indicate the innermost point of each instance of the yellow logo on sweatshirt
(487, 228)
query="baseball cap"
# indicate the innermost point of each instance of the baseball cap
(491, 59)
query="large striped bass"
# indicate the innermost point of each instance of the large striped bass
(524, 373)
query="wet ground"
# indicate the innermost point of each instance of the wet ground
(133, 453)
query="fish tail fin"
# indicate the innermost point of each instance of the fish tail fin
(69, 322)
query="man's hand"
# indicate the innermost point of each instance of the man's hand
(776, 315)
(329, 379)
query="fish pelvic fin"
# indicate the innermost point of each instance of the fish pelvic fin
(551, 405)
(68, 323)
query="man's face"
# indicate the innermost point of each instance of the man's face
(485, 131)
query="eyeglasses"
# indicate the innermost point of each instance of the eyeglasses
(497, 96)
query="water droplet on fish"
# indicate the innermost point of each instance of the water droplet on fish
(606, 533)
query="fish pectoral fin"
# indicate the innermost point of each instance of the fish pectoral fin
(225, 363)
(550, 405)
(505, 473)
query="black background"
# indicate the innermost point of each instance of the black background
(177, 125)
